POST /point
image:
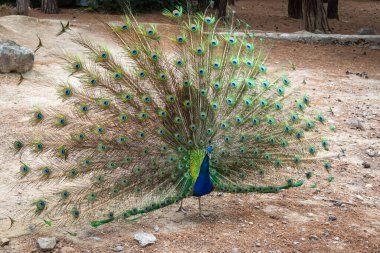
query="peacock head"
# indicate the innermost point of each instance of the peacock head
(209, 151)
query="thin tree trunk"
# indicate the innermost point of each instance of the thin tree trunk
(295, 9)
(222, 9)
(22, 7)
(332, 9)
(314, 15)
(49, 6)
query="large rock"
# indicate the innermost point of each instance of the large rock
(15, 58)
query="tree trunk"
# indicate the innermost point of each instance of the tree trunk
(332, 9)
(203, 4)
(49, 6)
(314, 15)
(295, 9)
(22, 7)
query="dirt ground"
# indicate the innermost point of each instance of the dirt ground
(295, 220)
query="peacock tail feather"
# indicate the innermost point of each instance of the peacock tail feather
(131, 137)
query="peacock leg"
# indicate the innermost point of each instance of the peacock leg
(200, 209)
(181, 208)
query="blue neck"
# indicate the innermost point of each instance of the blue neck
(205, 166)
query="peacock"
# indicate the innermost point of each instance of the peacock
(176, 114)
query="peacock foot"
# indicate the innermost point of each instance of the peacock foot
(203, 215)
(182, 209)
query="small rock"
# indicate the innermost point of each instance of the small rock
(332, 217)
(145, 239)
(366, 165)
(359, 197)
(337, 238)
(95, 238)
(235, 250)
(296, 243)
(4, 241)
(313, 238)
(15, 58)
(367, 31)
(355, 123)
(368, 186)
(67, 250)
(326, 233)
(118, 247)
(46, 243)
(371, 153)
(156, 228)
(258, 244)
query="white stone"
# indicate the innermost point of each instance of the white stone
(46, 243)
(145, 239)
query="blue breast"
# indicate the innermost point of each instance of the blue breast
(203, 183)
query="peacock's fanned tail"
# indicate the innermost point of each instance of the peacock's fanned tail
(121, 143)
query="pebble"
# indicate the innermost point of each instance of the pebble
(296, 243)
(118, 247)
(4, 241)
(371, 153)
(368, 186)
(326, 233)
(355, 123)
(337, 238)
(145, 239)
(359, 197)
(313, 238)
(366, 165)
(234, 250)
(156, 228)
(95, 238)
(46, 243)
(258, 244)
(332, 218)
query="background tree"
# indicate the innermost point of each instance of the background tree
(332, 9)
(314, 15)
(22, 7)
(295, 9)
(49, 6)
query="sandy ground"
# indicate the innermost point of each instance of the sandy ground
(285, 222)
